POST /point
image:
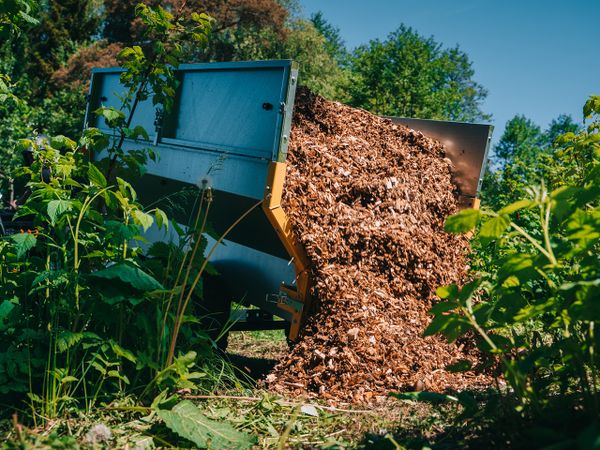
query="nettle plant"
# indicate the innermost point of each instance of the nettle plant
(77, 306)
(536, 304)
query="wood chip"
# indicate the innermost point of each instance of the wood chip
(368, 200)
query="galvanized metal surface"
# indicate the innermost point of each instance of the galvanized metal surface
(466, 145)
(248, 276)
(229, 121)
(234, 108)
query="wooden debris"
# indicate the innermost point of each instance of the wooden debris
(368, 200)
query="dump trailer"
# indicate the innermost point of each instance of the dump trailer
(229, 129)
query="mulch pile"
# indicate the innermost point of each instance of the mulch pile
(368, 199)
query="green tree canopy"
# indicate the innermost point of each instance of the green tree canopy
(527, 156)
(521, 137)
(334, 43)
(319, 70)
(559, 126)
(63, 26)
(14, 14)
(413, 76)
(239, 25)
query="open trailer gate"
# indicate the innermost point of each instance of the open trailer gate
(229, 128)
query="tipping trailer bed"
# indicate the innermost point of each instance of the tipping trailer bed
(229, 127)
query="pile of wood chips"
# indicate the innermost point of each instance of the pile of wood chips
(368, 200)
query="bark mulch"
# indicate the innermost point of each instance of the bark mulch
(368, 200)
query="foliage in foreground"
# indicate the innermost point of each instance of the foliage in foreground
(276, 422)
(535, 305)
(83, 318)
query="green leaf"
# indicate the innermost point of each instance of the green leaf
(592, 105)
(142, 219)
(5, 309)
(161, 219)
(431, 397)
(564, 192)
(96, 177)
(68, 339)
(123, 353)
(56, 208)
(116, 299)
(27, 18)
(493, 228)
(510, 282)
(126, 189)
(119, 231)
(513, 265)
(23, 243)
(113, 117)
(463, 221)
(450, 292)
(68, 379)
(443, 307)
(62, 142)
(459, 366)
(469, 289)
(130, 274)
(135, 133)
(117, 374)
(516, 206)
(188, 421)
(94, 139)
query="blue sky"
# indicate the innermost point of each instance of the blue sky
(539, 58)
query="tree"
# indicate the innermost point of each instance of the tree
(520, 138)
(14, 14)
(561, 125)
(527, 156)
(64, 26)
(334, 43)
(413, 76)
(319, 70)
(240, 25)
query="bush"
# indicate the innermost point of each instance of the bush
(535, 304)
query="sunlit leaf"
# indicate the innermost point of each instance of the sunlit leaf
(516, 206)
(463, 221)
(494, 228)
(449, 292)
(142, 219)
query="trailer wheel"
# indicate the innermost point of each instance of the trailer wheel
(215, 311)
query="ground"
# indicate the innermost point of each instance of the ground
(277, 422)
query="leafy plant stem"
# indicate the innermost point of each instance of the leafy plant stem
(180, 271)
(198, 234)
(468, 311)
(76, 261)
(199, 275)
(535, 243)
(281, 444)
(546, 227)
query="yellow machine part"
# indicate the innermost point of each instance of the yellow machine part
(299, 294)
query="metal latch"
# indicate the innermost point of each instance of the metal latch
(158, 124)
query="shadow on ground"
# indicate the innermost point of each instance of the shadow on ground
(255, 353)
